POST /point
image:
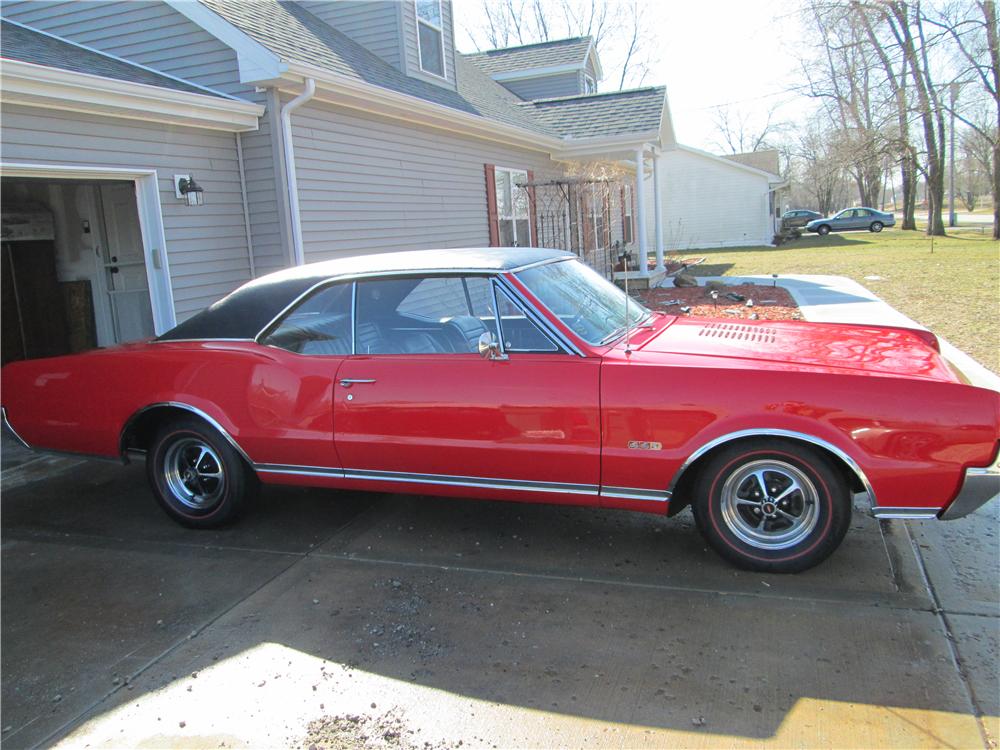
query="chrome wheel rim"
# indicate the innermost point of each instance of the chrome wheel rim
(770, 505)
(194, 473)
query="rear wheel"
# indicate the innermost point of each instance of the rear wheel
(823, 229)
(876, 226)
(772, 506)
(197, 476)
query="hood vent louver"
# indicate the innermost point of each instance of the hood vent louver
(738, 332)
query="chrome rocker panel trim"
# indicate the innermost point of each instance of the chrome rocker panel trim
(913, 514)
(449, 480)
(979, 487)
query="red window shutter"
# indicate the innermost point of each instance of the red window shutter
(491, 204)
(533, 209)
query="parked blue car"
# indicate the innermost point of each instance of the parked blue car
(852, 218)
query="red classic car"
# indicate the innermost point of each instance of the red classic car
(513, 374)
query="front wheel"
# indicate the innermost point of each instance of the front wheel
(772, 506)
(197, 476)
(876, 226)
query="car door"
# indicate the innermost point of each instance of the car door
(419, 405)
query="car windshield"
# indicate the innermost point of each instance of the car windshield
(590, 306)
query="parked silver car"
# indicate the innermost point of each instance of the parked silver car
(852, 218)
(798, 217)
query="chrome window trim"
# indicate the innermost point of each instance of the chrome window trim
(364, 275)
(354, 318)
(496, 314)
(207, 340)
(523, 306)
(537, 318)
(768, 432)
(526, 266)
(186, 407)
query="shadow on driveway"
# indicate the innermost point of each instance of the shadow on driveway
(484, 622)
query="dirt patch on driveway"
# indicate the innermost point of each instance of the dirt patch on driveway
(358, 732)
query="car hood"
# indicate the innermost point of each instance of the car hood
(795, 344)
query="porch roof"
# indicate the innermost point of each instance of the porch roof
(618, 113)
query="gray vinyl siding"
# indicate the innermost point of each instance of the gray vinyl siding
(368, 184)
(206, 246)
(589, 70)
(375, 24)
(148, 32)
(412, 53)
(547, 87)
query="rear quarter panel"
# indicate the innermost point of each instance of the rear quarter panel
(275, 404)
(912, 438)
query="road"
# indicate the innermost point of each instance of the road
(349, 620)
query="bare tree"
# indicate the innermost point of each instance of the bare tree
(818, 173)
(896, 77)
(844, 77)
(739, 133)
(977, 46)
(623, 38)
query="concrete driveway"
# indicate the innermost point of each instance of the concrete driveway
(349, 620)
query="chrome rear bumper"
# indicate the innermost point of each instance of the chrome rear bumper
(980, 486)
(5, 424)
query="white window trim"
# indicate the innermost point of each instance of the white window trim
(589, 84)
(440, 30)
(513, 217)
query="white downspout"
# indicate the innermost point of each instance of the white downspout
(298, 253)
(246, 208)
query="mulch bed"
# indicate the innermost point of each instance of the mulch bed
(769, 302)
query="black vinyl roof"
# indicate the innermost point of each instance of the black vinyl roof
(244, 313)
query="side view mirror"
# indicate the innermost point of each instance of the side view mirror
(489, 347)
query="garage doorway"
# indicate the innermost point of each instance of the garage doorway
(73, 266)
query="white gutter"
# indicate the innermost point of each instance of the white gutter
(298, 253)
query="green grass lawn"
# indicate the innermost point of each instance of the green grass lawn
(953, 289)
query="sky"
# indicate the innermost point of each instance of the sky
(741, 53)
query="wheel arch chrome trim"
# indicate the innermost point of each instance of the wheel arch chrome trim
(770, 432)
(6, 423)
(130, 422)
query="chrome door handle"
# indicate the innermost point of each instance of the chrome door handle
(348, 382)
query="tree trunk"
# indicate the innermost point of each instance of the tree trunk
(908, 172)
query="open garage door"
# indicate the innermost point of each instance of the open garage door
(73, 267)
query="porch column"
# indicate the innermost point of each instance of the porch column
(640, 212)
(658, 212)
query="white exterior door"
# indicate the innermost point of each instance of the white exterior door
(125, 264)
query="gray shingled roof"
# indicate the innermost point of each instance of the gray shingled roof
(27, 45)
(293, 33)
(593, 115)
(542, 55)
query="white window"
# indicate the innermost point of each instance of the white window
(513, 208)
(589, 85)
(430, 36)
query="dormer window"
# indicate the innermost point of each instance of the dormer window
(430, 34)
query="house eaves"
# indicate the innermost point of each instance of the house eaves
(770, 177)
(521, 75)
(55, 88)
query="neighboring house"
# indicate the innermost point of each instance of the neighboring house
(715, 201)
(314, 129)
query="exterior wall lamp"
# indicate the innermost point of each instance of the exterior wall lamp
(186, 189)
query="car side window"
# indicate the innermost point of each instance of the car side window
(519, 333)
(320, 325)
(429, 315)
